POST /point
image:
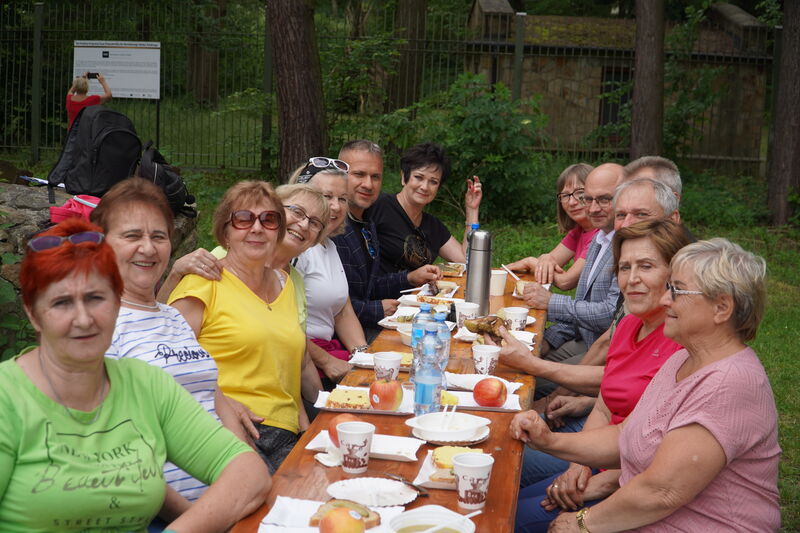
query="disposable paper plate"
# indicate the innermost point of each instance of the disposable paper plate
(480, 435)
(467, 403)
(389, 447)
(391, 322)
(406, 406)
(467, 382)
(366, 360)
(411, 299)
(373, 491)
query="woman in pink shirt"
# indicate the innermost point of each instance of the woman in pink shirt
(700, 450)
(573, 221)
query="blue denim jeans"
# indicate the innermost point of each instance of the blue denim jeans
(531, 516)
(537, 465)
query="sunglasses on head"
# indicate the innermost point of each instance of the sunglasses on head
(318, 164)
(244, 219)
(45, 242)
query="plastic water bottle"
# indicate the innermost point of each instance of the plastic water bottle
(474, 226)
(443, 332)
(429, 376)
(417, 333)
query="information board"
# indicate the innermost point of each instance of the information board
(132, 69)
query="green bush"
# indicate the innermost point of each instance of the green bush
(484, 133)
(714, 201)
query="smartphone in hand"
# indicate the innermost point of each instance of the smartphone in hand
(91, 75)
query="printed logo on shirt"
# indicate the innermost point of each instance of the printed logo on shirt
(415, 252)
(180, 355)
(656, 353)
(108, 470)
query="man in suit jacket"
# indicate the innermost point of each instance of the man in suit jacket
(579, 321)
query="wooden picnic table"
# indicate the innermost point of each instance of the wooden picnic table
(301, 476)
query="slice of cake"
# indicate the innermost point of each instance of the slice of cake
(348, 399)
(443, 461)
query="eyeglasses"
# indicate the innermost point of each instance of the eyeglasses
(245, 219)
(367, 234)
(314, 223)
(318, 164)
(674, 292)
(565, 196)
(45, 242)
(602, 201)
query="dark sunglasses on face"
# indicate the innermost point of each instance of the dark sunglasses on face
(45, 242)
(314, 223)
(245, 219)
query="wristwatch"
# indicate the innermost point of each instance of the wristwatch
(581, 517)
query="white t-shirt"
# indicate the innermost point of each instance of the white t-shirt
(164, 339)
(326, 288)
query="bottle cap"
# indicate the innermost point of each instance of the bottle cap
(440, 317)
(475, 226)
(425, 307)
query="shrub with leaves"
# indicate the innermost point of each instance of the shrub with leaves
(484, 133)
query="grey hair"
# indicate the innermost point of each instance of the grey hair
(722, 267)
(664, 195)
(361, 145)
(663, 169)
(289, 191)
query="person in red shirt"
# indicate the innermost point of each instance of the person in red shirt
(78, 98)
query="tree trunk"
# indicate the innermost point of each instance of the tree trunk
(203, 60)
(302, 130)
(784, 161)
(409, 23)
(648, 80)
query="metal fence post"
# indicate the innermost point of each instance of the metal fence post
(266, 118)
(36, 90)
(519, 44)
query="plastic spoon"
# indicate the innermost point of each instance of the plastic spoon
(509, 271)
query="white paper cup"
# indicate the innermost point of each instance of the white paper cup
(466, 310)
(485, 357)
(497, 285)
(387, 365)
(355, 440)
(516, 317)
(473, 471)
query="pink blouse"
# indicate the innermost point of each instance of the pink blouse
(579, 240)
(732, 399)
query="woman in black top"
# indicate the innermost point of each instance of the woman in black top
(410, 237)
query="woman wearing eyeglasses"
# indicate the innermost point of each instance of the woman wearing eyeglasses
(248, 320)
(411, 238)
(572, 220)
(85, 437)
(699, 452)
(333, 328)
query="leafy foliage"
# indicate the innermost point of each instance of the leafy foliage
(484, 133)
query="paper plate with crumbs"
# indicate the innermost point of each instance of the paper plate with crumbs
(373, 491)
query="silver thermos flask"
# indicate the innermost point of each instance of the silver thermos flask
(479, 270)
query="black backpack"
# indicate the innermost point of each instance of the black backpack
(101, 149)
(154, 167)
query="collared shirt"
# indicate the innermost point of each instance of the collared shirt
(368, 286)
(604, 240)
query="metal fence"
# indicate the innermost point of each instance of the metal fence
(214, 111)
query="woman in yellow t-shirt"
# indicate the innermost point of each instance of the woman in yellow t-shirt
(248, 322)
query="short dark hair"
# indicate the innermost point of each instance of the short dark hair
(424, 155)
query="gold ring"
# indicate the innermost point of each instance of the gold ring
(555, 485)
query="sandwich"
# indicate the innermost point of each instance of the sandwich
(442, 458)
(348, 399)
(489, 325)
(520, 287)
(371, 518)
(434, 300)
(452, 269)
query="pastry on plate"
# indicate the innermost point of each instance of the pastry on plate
(442, 458)
(348, 399)
(371, 518)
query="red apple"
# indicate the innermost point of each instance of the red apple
(386, 395)
(490, 392)
(342, 520)
(335, 421)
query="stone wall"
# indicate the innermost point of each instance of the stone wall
(24, 211)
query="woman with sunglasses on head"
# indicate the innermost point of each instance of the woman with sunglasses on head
(248, 320)
(85, 437)
(572, 220)
(410, 237)
(699, 452)
(333, 327)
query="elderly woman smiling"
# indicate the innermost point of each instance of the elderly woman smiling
(248, 320)
(85, 437)
(700, 450)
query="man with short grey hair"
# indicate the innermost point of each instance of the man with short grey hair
(644, 199)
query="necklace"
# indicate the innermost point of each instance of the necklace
(145, 306)
(240, 278)
(60, 401)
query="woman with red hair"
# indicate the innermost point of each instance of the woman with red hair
(85, 437)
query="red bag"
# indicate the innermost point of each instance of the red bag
(78, 206)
